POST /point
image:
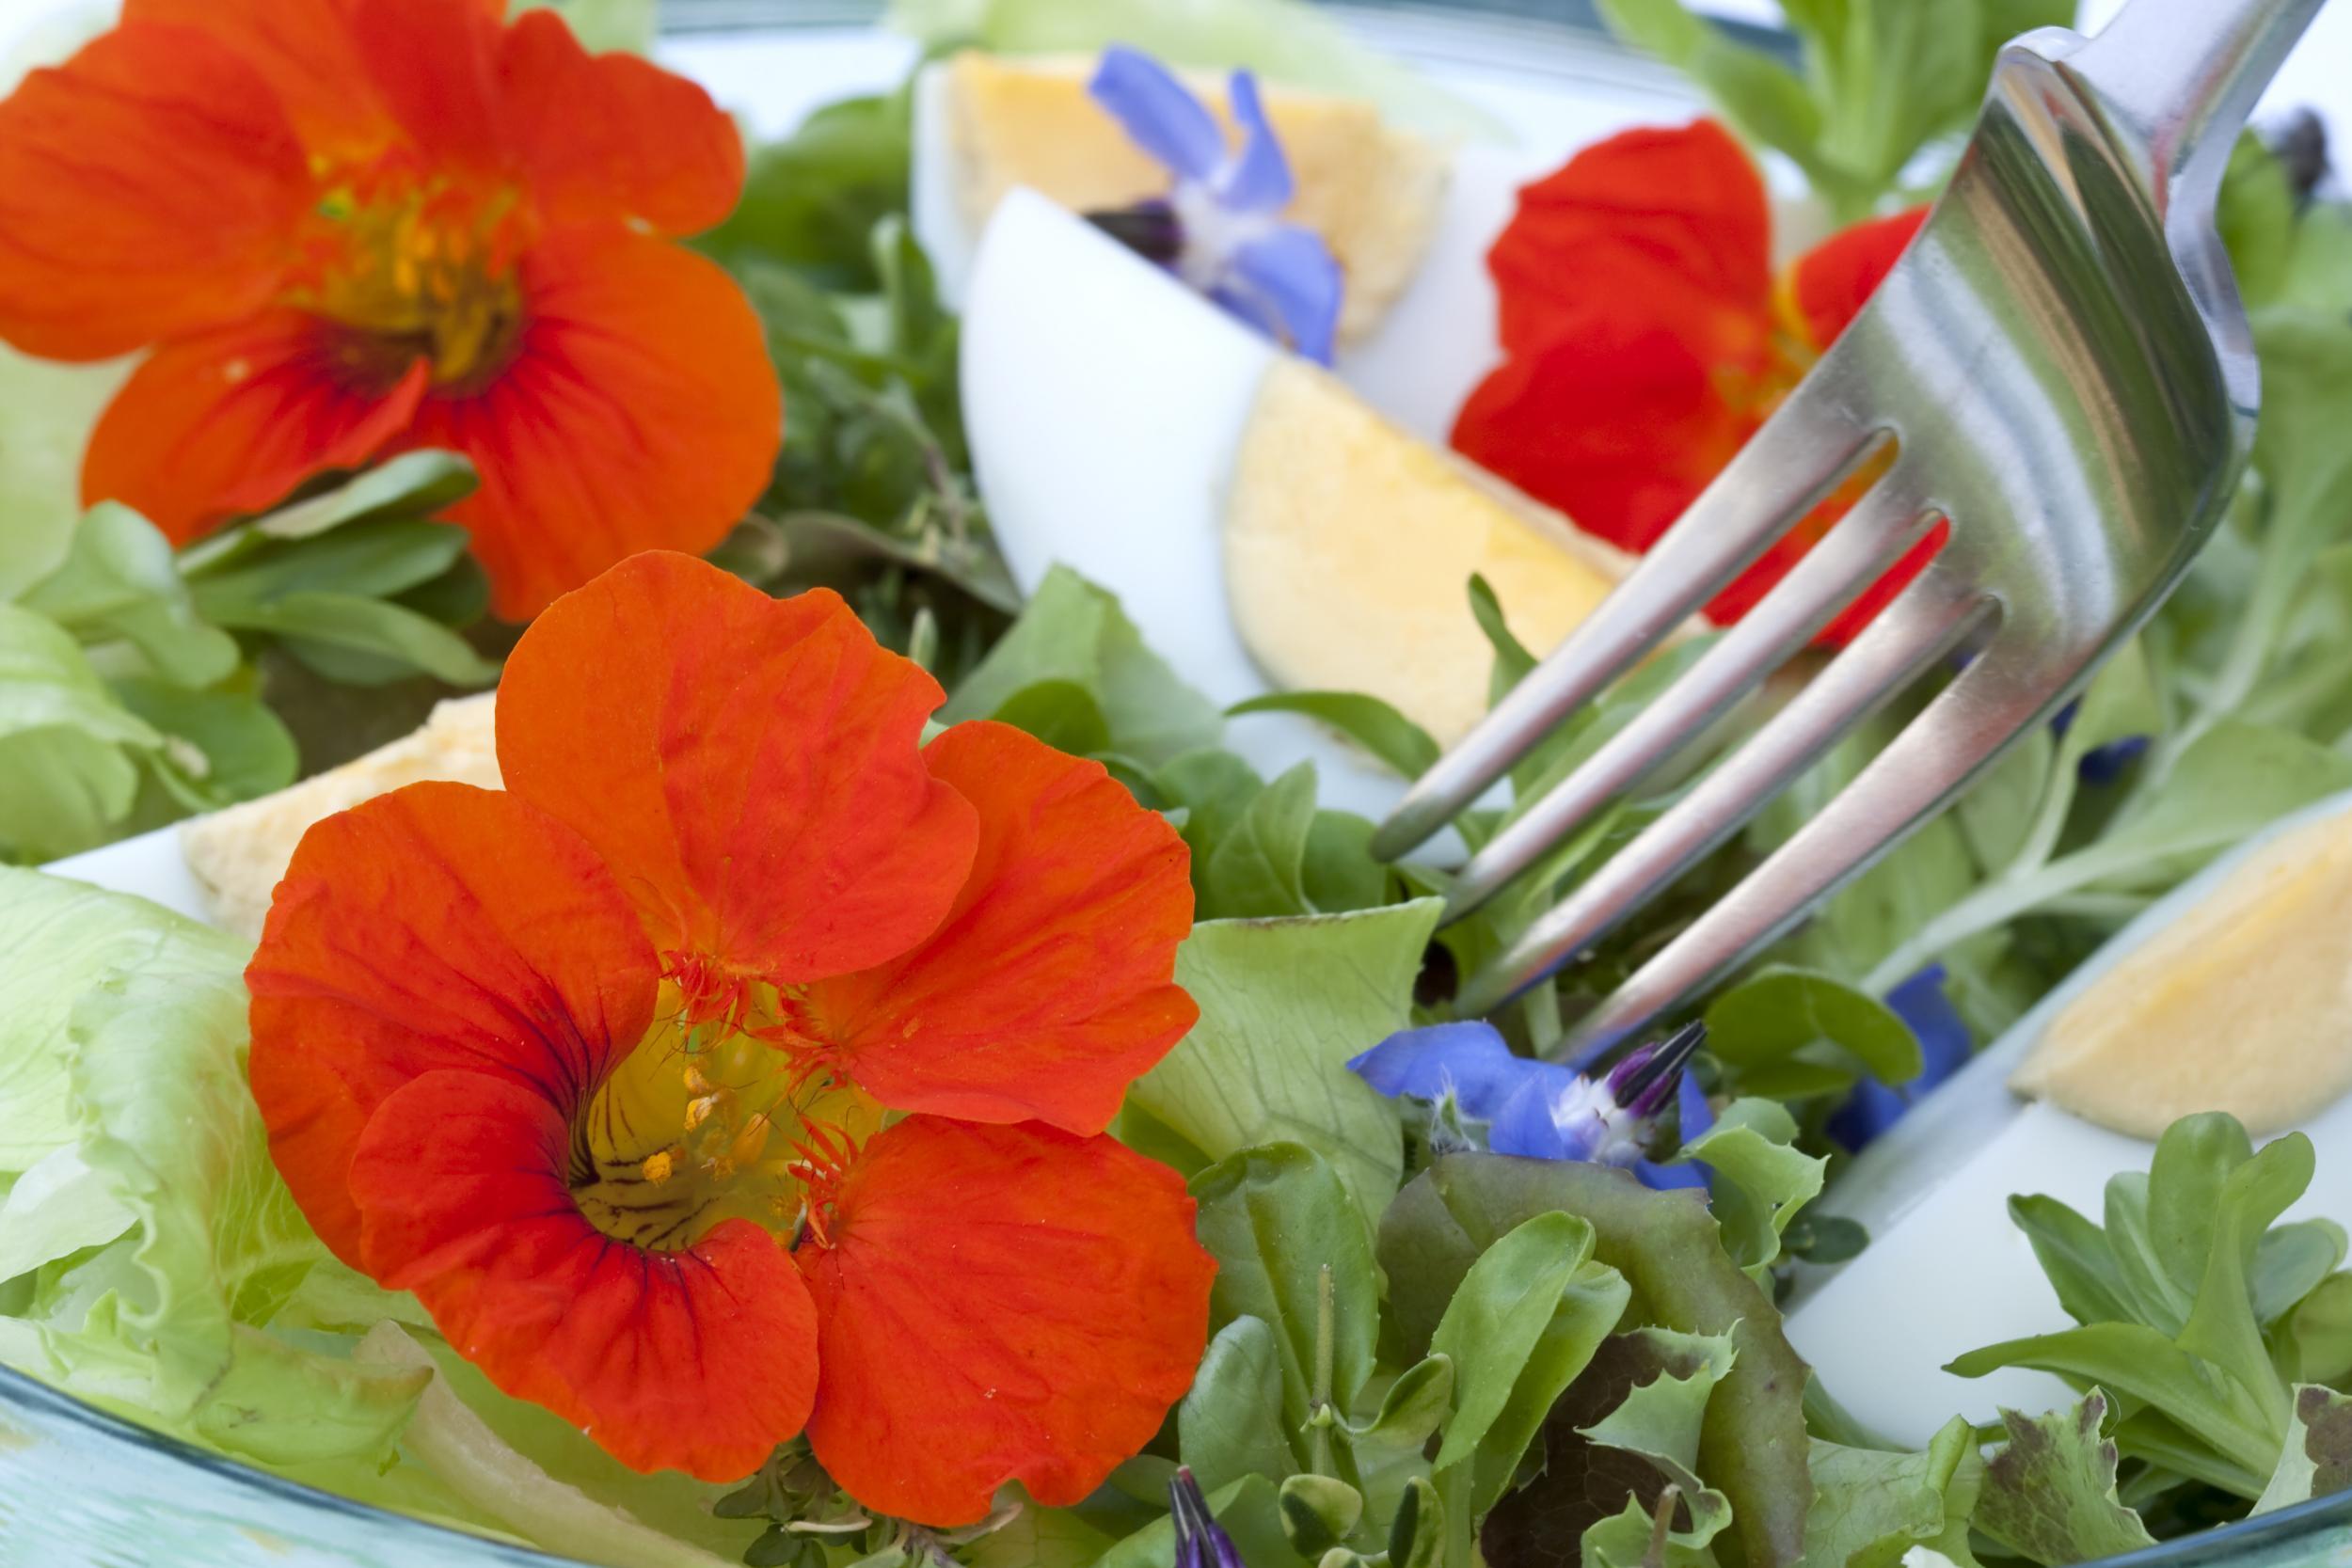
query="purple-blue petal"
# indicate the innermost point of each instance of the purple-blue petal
(1945, 1046)
(1259, 181)
(1525, 1125)
(1471, 1059)
(1288, 282)
(2102, 765)
(1159, 113)
(1668, 1178)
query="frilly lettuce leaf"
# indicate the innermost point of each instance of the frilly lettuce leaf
(129, 1051)
(1623, 1433)
(61, 937)
(1761, 1180)
(1872, 1509)
(541, 1478)
(1752, 1444)
(2317, 1459)
(1283, 1005)
(2049, 1493)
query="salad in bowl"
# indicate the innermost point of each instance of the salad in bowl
(688, 815)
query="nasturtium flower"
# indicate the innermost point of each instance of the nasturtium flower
(1542, 1110)
(744, 1064)
(348, 229)
(1220, 226)
(1645, 339)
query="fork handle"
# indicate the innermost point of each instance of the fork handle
(2185, 74)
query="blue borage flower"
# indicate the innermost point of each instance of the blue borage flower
(1544, 1111)
(1945, 1046)
(2102, 765)
(1200, 1541)
(1220, 226)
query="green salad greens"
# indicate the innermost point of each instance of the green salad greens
(1421, 1355)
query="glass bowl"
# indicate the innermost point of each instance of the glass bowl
(80, 1488)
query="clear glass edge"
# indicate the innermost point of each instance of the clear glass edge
(2319, 1531)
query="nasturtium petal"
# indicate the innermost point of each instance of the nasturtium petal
(1047, 988)
(231, 421)
(1830, 283)
(1670, 225)
(148, 186)
(746, 765)
(640, 412)
(613, 136)
(999, 1304)
(701, 1360)
(434, 64)
(1616, 418)
(303, 48)
(437, 926)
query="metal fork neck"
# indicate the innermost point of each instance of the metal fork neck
(2183, 76)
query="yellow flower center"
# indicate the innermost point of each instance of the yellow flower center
(717, 1119)
(416, 268)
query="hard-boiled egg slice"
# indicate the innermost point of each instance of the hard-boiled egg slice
(1124, 426)
(1946, 1271)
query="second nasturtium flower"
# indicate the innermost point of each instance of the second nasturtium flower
(349, 229)
(1645, 338)
(744, 1065)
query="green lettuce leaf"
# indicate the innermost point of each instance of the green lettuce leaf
(67, 747)
(1295, 1254)
(1072, 631)
(119, 582)
(1283, 1005)
(166, 1323)
(2049, 1492)
(1871, 1509)
(1752, 1445)
(1619, 1484)
(47, 411)
(1763, 1181)
(2317, 1459)
(1522, 1324)
(525, 1468)
(1660, 1422)
(1229, 1423)
(2168, 1296)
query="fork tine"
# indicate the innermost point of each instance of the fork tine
(1923, 622)
(1857, 552)
(1798, 458)
(1957, 734)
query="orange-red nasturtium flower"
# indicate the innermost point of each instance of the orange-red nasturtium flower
(349, 229)
(1645, 339)
(744, 1065)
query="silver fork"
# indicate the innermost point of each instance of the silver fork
(2059, 366)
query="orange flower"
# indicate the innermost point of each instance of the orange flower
(354, 227)
(742, 1065)
(1645, 341)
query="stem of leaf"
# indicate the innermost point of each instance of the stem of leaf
(1454, 1491)
(1327, 1334)
(1993, 903)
